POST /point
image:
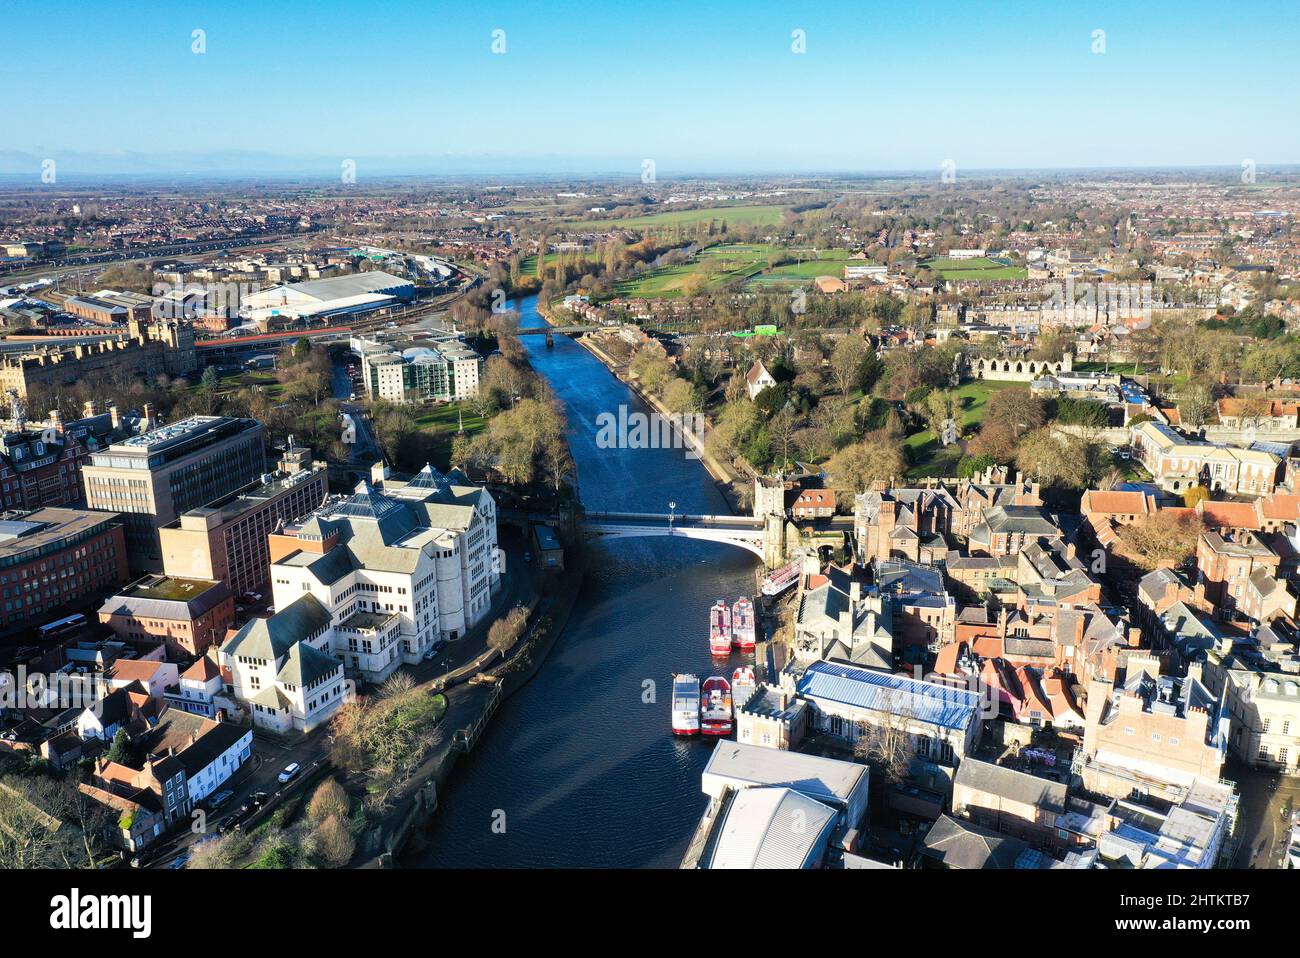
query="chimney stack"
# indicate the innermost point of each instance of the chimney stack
(149, 423)
(90, 409)
(56, 420)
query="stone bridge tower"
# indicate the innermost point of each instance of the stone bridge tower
(769, 505)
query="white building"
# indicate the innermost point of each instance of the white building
(437, 371)
(282, 669)
(400, 569)
(322, 298)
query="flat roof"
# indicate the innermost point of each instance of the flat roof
(810, 774)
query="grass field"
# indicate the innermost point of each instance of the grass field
(528, 265)
(752, 215)
(929, 457)
(721, 265)
(974, 269)
(443, 421)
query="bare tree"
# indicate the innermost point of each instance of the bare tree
(887, 744)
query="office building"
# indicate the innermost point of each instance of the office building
(227, 538)
(154, 477)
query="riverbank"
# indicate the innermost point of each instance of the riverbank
(725, 478)
(470, 707)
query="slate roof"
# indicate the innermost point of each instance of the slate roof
(1011, 784)
(959, 844)
(272, 638)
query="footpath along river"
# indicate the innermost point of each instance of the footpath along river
(578, 770)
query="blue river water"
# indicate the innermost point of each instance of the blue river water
(581, 771)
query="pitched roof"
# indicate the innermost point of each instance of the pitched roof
(959, 844)
(272, 638)
(893, 694)
(1011, 784)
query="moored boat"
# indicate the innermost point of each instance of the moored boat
(720, 629)
(742, 624)
(742, 686)
(686, 704)
(716, 717)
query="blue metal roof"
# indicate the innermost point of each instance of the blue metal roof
(880, 691)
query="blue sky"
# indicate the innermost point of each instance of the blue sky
(695, 86)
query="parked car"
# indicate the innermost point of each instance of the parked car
(260, 798)
(226, 824)
(290, 772)
(219, 799)
(178, 862)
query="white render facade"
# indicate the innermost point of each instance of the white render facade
(400, 571)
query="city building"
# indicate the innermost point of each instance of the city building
(427, 371)
(942, 724)
(281, 668)
(1151, 733)
(321, 300)
(110, 308)
(53, 560)
(227, 538)
(399, 569)
(1258, 680)
(1179, 463)
(187, 616)
(154, 477)
(146, 352)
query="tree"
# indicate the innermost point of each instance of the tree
(1053, 457)
(120, 751)
(328, 799)
(1194, 495)
(854, 468)
(1195, 404)
(781, 431)
(505, 631)
(846, 362)
(1162, 538)
(887, 745)
(679, 397)
(335, 841)
(1017, 409)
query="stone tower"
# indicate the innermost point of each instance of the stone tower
(769, 505)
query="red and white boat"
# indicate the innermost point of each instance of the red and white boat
(686, 704)
(742, 624)
(715, 707)
(742, 686)
(720, 629)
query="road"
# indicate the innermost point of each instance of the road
(1263, 816)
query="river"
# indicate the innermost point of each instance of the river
(576, 770)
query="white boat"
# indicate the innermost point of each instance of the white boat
(743, 686)
(742, 624)
(686, 704)
(716, 717)
(720, 629)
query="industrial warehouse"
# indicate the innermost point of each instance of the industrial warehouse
(321, 299)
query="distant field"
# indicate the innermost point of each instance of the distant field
(756, 215)
(528, 265)
(974, 269)
(827, 262)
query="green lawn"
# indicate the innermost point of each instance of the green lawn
(443, 421)
(730, 262)
(929, 457)
(754, 215)
(974, 269)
